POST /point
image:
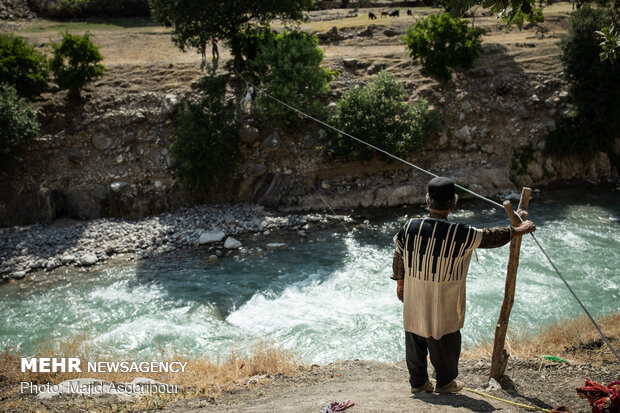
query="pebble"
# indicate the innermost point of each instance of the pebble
(18, 275)
(88, 259)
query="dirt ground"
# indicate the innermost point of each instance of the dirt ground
(377, 387)
(382, 387)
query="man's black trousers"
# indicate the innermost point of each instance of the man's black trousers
(444, 352)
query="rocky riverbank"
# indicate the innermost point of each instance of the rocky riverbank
(26, 249)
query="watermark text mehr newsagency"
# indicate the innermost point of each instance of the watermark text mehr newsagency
(75, 365)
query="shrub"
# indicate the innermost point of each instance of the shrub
(288, 68)
(117, 8)
(18, 123)
(441, 42)
(380, 114)
(75, 62)
(22, 66)
(205, 145)
(70, 8)
(593, 87)
(90, 8)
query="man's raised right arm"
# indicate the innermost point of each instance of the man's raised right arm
(498, 236)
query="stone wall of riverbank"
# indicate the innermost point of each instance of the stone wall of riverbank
(113, 159)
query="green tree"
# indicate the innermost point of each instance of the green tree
(288, 68)
(75, 62)
(379, 114)
(609, 35)
(441, 42)
(22, 66)
(610, 43)
(593, 87)
(511, 11)
(70, 8)
(18, 123)
(196, 22)
(73, 9)
(250, 41)
(205, 143)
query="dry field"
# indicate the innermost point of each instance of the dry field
(141, 57)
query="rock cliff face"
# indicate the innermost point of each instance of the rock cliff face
(112, 158)
(103, 159)
(492, 142)
(110, 155)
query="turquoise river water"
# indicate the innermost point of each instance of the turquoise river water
(326, 297)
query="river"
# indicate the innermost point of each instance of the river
(328, 296)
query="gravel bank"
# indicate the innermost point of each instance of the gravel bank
(25, 249)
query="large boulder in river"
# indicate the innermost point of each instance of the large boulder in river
(232, 244)
(209, 237)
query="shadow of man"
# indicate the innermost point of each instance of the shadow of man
(456, 400)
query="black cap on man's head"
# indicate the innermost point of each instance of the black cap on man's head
(441, 189)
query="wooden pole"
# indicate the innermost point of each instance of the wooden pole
(500, 355)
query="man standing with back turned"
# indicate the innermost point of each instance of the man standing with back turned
(430, 266)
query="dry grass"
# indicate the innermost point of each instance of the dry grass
(201, 378)
(575, 340)
(361, 21)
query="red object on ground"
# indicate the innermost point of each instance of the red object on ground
(603, 399)
(338, 407)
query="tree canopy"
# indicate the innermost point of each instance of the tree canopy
(22, 66)
(75, 62)
(380, 113)
(511, 11)
(288, 67)
(205, 143)
(196, 22)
